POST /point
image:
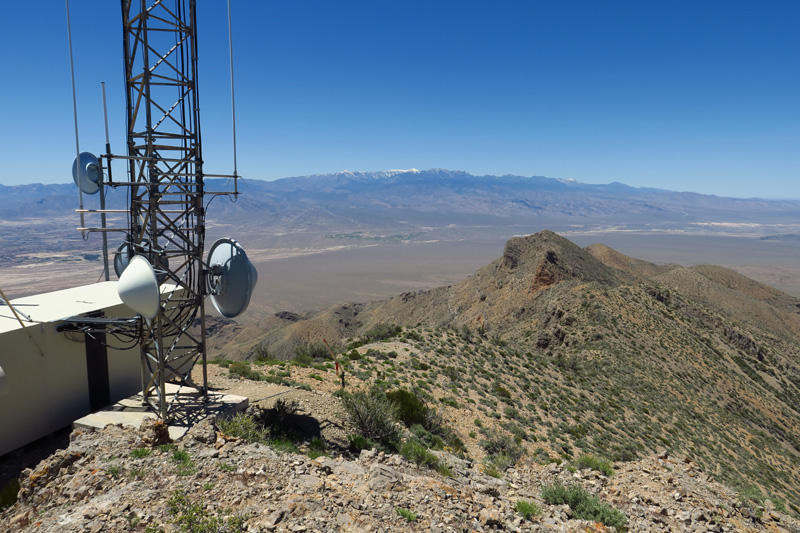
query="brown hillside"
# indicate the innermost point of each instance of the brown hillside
(613, 258)
(598, 359)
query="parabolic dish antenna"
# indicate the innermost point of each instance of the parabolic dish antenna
(124, 254)
(231, 279)
(138, 287)
(122, 257)
(86, 173)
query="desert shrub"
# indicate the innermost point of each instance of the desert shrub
(491, 470)
(410, 409)
(425, 423)
(452, 372)
(527, 509)
(417, 453)
(185, 466)
(416, 364)
(316, 448)
(501, 391)
(381, 332)
(243, 370)
(260, 353)
(310, 353)
(450, 401)
(276, 380)
(244, 427)
(193, 517)
(373, 415)
(274, 426)
(138, 453)
(360, 442)
(749, 493)
(625, 452)
(410, 516)
(589, 461)
(584, 506)
(502, 450)
(427, 438)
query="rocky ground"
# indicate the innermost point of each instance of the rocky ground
(126, 479)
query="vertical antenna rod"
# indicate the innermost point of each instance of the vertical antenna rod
(103, 189)
(75, 116)
(233, 102)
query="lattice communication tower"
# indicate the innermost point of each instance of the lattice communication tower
(166, 215)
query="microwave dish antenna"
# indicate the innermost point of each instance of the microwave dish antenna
(157, 258)
(138, 287)
(231, 277)
(87, 173)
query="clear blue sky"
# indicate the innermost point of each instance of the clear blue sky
(700, 95)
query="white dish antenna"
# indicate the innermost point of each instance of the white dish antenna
(231, 278)
(138, 287)
(87, 173)
(3, 382)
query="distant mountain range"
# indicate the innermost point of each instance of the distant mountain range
(431, 197)
(310, 214)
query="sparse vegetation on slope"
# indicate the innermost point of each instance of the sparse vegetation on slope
(554, 350)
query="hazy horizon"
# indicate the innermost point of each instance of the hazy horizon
(652, 186)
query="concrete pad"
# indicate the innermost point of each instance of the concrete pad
(188, 407)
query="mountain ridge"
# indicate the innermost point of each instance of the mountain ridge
(700, 360)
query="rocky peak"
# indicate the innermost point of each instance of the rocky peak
(550, 258)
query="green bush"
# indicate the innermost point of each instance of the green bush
(243, 370)
(527, 509)
(430, 440)
(491, 470)
(589, 461)
(410, 409)
(584, 506)
(452, 372)
(381, 332)
(408, 515)
(501, 391)
(417, 453)
(360, 442)
(261, 353)
(185, 465)
(502, 450)
(313, 352)
(373, 415)
(193, 517)
(274, 427)
(139, 453)
(244, 427)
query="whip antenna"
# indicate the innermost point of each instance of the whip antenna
(75, 114)
(233, 103)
